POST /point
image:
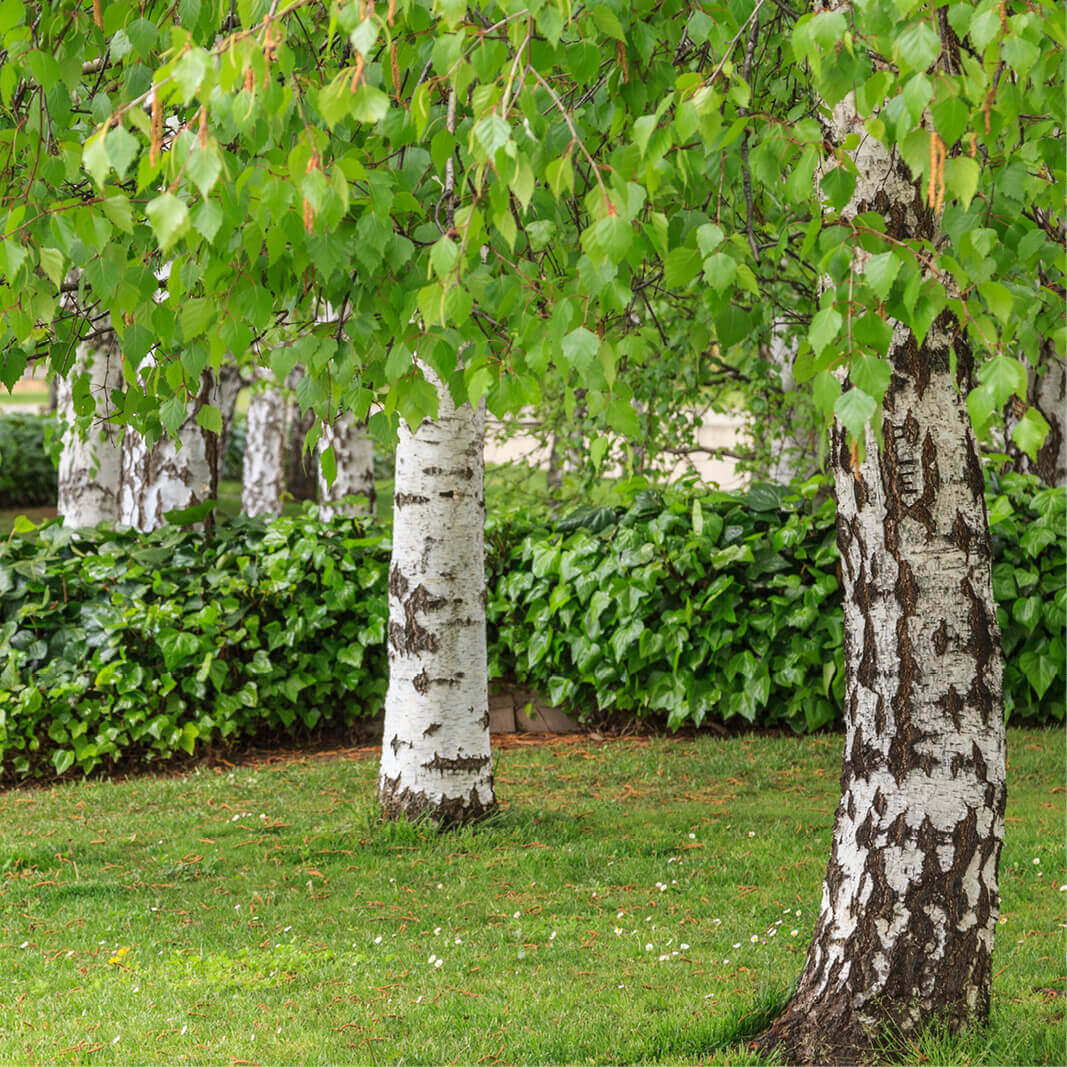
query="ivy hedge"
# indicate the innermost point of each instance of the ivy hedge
(721, 607)
(27, 472)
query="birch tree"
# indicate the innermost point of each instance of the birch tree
(266, 431)
(91, 459)
(346, 474)
(623, 172)
(435, 746)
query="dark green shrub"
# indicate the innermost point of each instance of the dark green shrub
(118, 646)
(27, 471)
(715, 607)
(727, 605)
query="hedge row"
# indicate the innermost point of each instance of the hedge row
(27, 473)
(720, 606)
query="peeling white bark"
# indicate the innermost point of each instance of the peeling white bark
(164, 477)
(91, 460)
(352, 492)
(436, 759)
(263, 475)
(910, 901)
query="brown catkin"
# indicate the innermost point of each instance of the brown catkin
(98, 15)
(203, 126)
(357, 76)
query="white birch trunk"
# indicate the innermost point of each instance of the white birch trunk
(436, 759)
(792, 447)
(352, 492)
(91, 461)
(164, 477)
(263, 475)
(910, 902)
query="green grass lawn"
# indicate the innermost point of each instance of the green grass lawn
(643, 900)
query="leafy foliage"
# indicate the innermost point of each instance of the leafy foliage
(565, 192)
(705, 607)
(1030, 587)
(27, 473)
(713, 607)
(116, 646)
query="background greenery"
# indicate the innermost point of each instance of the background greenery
(693, 606)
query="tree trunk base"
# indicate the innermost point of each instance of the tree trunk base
(808, 1037)
(447, 812)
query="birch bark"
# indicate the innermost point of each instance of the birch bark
(91, 461)
(435, 750)
(352, 492)
(910, 901)
(163, 477)
(263, 473)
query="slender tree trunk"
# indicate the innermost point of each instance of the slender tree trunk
(791, 446)
(163, 477)
(263, 476)
(910, 902)
(300, 477)
(91, 461)
(353, 452)
(435, 751)
(230, 383)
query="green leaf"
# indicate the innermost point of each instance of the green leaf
(1041, 670)
(490, 134)
(826, 390)
(825, 326)
(369, 104)
(681, 266)
(210, 418)
(917, 46)
(951, 117)
(203, 167)
(328, 459)
(621, 416)
(961, 178)
(998, 299)
(444, 256)
(52, 263)
(880, 272)
(720, 271)
(190, 72)
(1004, 377)
(1031, 432)
(871, 374)
(122, 149)
(190, 515)
(579, 349)
(854, 409)
(62, 760)
(169, 218)
(95, 159)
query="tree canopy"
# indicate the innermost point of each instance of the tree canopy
(626, 182)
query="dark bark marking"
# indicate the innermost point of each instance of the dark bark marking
(456, 763)
(401, 500)
(397, 803)
(421, 681)
(940, 638)
(431, 729)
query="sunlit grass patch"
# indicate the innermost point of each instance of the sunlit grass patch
(641, 901)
